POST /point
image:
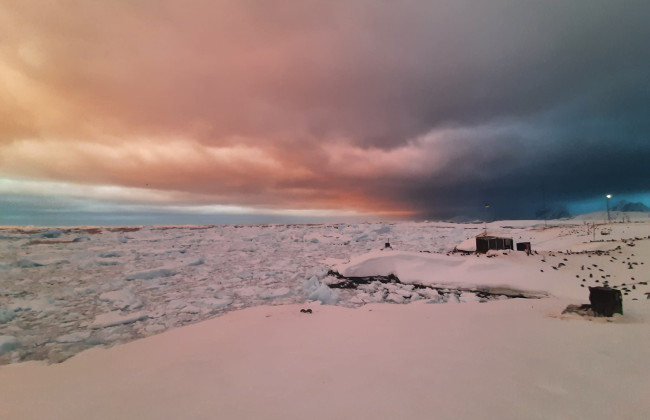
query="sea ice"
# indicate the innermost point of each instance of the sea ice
(110, 254)
(215, 302)
(7, 343)
(121, 299)
(27, 264)
(50, 233)
(200, 261)
(314, 289)
(74, 337)
(274, 293)
(114, 318)
(6, 315)
(151, 274)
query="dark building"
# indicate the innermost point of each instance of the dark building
(523, 246)
(486, 243)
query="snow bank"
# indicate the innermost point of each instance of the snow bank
(506, 360)
(559, 274)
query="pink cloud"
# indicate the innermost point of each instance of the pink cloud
(360, 105)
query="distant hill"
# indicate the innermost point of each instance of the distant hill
(626, 206)
(553, 213)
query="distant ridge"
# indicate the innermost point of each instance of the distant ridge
(626, 206)
(553, 213)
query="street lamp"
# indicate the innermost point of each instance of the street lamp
(609, 218)
(487, 206)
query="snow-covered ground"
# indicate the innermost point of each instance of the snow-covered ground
(357, 356)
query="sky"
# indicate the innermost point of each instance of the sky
(228, 111)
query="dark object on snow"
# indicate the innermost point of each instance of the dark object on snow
(582, 310)
(305, 311)
(606, 301)
(523, 246)
(485, 243)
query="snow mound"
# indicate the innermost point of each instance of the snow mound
(468, 245)
(495, 272)
(403, 264)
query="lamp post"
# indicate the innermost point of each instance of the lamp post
(487, 206)
(609, 218)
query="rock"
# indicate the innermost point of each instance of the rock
(606, 301)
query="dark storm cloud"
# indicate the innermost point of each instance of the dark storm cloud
(427, 106)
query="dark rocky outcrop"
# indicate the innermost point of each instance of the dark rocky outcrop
(605, 301)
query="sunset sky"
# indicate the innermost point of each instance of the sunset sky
(168, 111)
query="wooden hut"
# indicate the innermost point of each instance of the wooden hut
(485, 243)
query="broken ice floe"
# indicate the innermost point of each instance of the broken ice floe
(280, 292)
(7, 315)
(200, 261)
(151, 274)
(114, 318)
(110, 254)
(75, 337)
(27, 264)
(50, 234)
(121, 299)
(390, 289)
(7, 343)
(314, 289)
